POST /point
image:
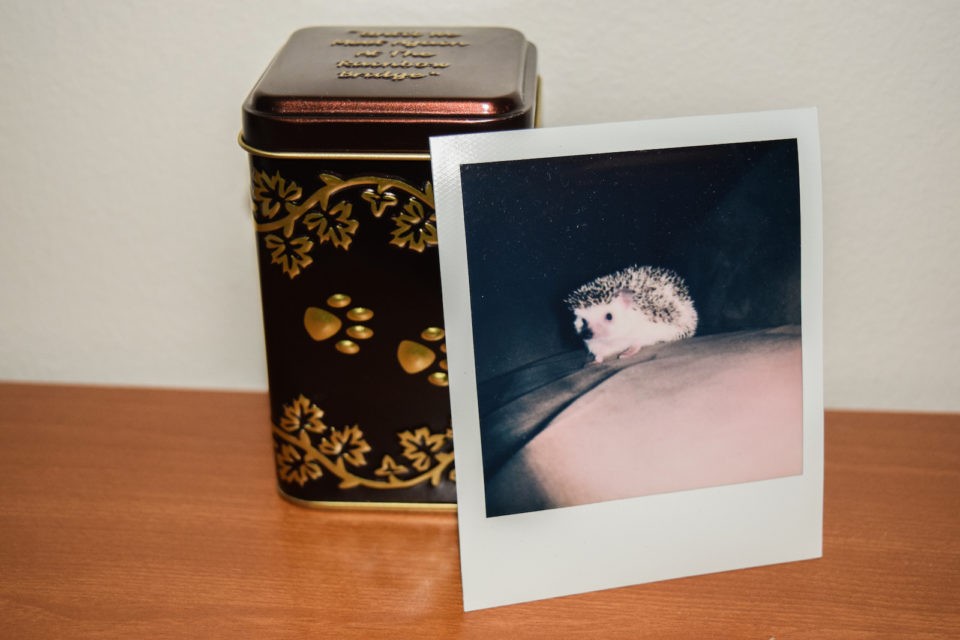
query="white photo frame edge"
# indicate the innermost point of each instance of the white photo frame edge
(536, 555)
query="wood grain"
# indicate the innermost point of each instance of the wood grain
(153, 513)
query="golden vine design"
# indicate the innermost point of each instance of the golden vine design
(292, 225)
(307, 448)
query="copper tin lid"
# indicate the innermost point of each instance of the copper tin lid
(333, 89)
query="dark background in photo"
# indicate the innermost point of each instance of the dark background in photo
(725, 217)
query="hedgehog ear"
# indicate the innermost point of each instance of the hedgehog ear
(625, 296)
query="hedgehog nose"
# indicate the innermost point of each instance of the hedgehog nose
(586, 332)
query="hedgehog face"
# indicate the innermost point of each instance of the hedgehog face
(619, 314)
(604, 322)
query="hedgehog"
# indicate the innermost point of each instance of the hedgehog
(621, 313)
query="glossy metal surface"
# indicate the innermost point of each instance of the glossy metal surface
(335, 88)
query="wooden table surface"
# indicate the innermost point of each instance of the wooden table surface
(153, 513)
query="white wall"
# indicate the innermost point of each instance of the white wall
(127, 255)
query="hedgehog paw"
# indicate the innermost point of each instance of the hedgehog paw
(632, 351)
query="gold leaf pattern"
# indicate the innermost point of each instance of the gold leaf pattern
(301, 459)
(334, 226)
(346, 444)
(416, 229)
(420, 447)
(379, 201)
(389, 467)
(302, 414)
(272, 193)
(284, 215)
(291, 255)
(293, 467)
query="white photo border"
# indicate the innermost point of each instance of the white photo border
(556, 552)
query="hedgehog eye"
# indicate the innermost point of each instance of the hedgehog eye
(609, 317)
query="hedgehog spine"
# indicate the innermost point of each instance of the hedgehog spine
(620, 313)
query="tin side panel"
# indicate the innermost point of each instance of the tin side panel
(354, 330)
(346, 237)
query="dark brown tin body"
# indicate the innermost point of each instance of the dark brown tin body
(338, 133)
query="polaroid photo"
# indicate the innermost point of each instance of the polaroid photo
(634, 334)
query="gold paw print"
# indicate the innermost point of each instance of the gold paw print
(416, 357)
(322, 324)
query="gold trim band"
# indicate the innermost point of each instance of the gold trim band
(330, 155)
(444, 507)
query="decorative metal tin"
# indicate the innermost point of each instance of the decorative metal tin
(338, 130)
